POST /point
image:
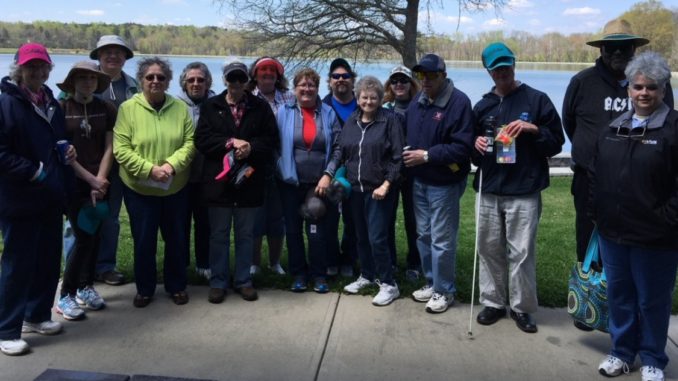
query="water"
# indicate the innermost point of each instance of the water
(470, 78)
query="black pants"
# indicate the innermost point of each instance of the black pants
(81, 264)
(413, 258)
(583, 224)
(197, 214)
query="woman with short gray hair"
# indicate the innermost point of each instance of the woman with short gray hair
(370, 147)
(638, 153)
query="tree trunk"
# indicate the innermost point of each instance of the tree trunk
(409, 47)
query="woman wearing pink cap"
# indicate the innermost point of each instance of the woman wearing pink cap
(33, 189)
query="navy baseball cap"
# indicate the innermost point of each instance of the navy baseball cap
(430, 63)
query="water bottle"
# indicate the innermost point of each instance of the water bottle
(490, 125)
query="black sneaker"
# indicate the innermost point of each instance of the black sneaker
(112, 277)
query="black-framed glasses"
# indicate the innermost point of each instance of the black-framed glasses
(341, 75)
(650, 87)
(401, 80)
(632, 132)
(236, 77)
(430, 75)
(156, 77)
(195, 79)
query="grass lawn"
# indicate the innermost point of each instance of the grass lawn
(555, 251)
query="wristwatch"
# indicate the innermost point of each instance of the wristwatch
(426, 156)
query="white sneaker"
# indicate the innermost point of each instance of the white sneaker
(47, 327)
(254, 270)
(612, 366)
(277, 269)
(355, 287)
(439, 302)
(387, 294)
(203, 272)
(650, 373)
(423, 294)
(13, 347)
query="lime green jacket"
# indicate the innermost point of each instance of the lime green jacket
(144, 137)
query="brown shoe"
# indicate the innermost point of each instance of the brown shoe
(216, 295)
(180, 298)
(141, 301)
(248, 293)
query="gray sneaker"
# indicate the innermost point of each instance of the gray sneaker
(47, 327)
(69, 308)
(90, 298)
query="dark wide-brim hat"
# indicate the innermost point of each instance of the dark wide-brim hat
(88, 67)
(618, 30)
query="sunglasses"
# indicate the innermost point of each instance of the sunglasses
(195, 79)
(623, 48)
(157, 77)
(430, 75)
(651, 87)
(402, 81)
(342, 75)
(239, 77)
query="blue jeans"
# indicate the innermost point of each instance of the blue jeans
(147, 214)
(640, 282)
(436, 208)
(292, 199)
(29, 270)
(110, 227)
(220, 226)
(371, 219)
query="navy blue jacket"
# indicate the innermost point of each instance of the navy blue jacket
(28, 137)
(445, 129)
(530, 172)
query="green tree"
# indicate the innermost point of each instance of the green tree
(650, 19)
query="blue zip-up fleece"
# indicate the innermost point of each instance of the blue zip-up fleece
(289, 116)
(530, 172)
(371, 152)
(445, 129)
(28, 136)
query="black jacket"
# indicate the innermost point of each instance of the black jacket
(371, 153)
(28, 137)
(530, 172)
(634, 184)
(215, 126)
(592, 100)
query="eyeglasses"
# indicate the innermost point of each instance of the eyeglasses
(341, 75)
(156, 77)
(650, 87)
(632, 133)
(239, 77)
(195, 79)
(309, 86)
(402, 81)
(430, 75)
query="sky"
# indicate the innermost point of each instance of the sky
(534, 16)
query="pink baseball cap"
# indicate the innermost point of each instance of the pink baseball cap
(31, 51)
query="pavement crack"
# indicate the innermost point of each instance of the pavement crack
(327, 339)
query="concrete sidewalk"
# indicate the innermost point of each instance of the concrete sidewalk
(287, 336)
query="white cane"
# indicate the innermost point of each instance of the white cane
(475, 252)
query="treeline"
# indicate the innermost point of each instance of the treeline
(649, 19)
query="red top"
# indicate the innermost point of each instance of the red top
(309, 129)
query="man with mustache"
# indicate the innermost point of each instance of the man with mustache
(594, 97)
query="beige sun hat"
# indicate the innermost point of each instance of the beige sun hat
(618, 30)
(89, 67)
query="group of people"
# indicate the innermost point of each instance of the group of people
(265, 160)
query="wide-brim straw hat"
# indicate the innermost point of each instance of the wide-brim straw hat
(89, 67)
(618, 30)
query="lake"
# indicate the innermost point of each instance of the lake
(469, 77)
